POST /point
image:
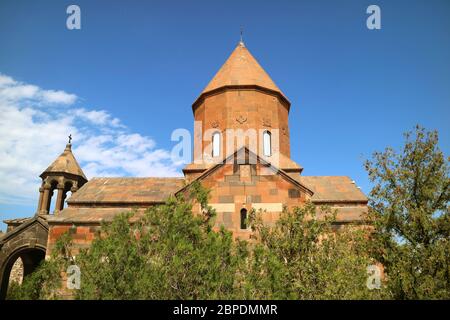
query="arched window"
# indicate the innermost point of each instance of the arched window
(267, 143)
(216, 144)
(243, 218)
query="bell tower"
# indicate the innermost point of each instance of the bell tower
(63, 175)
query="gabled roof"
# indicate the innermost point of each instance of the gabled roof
(230, 159)
(117, 191)
(241, 69)
(333, 189)
(36, 219)
(16, 221)
(65, 163)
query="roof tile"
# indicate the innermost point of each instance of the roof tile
(333, 189)
(126, 190)
(241, 68)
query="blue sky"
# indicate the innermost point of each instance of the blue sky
(127, 79)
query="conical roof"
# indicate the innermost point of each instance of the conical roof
(65, 163)
(241, 68)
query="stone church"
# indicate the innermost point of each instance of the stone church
(241, 96)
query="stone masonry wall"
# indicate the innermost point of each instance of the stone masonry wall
(16, 274)
(237, 187)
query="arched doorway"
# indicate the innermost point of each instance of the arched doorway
(28, 242)
(31, 259)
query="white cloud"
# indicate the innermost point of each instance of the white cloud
(13, 91)
(98, 117)
(61, 97)
(18, 92)
(32, 136)
(6, 81)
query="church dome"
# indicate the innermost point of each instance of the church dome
(241, 70)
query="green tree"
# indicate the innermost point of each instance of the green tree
(304, 256)
(410, 202)
(169, 253)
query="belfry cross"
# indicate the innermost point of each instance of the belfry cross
(70, 138)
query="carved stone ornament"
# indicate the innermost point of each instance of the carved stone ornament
(267, 122)
(241, 119)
